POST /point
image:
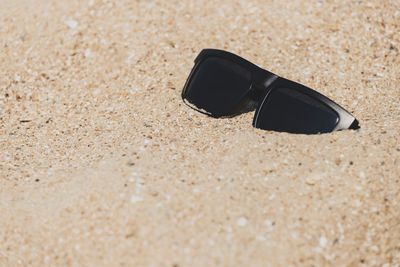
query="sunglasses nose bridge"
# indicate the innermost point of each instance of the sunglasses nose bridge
(261, 83)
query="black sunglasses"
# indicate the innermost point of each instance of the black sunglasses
(222, 84)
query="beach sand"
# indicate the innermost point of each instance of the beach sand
(101, 164)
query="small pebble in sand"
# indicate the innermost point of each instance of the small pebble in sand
(134, 90)
(147, 142)
(269, 223)
(136, 199)
(261, 238)
(310, 181)
(72, 24)
(323, 241)
(196, 190)
(88, 53)
(242, 221)
(130, 58)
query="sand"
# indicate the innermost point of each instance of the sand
(101, 164)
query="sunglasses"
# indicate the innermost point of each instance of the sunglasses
(222, 84)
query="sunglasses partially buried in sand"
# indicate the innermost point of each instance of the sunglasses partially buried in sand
(222, 84)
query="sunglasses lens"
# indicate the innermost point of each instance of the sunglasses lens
(218, 87)
(288, 110)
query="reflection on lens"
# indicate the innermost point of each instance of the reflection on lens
(218, 86)
(288, 110)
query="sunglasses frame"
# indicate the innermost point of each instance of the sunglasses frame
(263, 83)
